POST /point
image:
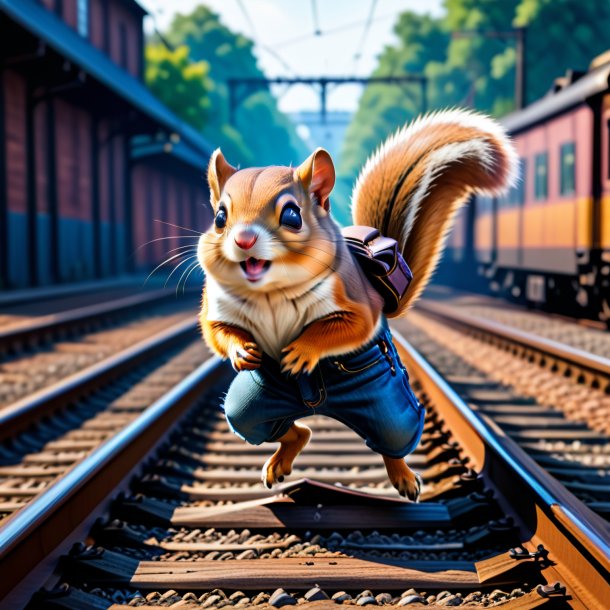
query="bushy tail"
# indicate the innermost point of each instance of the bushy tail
(413, 186)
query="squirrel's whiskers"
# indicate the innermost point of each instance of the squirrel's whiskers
(282, 285)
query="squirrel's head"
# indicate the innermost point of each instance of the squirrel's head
(272, 229)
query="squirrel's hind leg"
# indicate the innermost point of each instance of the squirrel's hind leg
(280, 463)
(407, 482)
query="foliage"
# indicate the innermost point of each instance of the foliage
(476, 71)
(561, 35)
(180, 84)
(261, 133)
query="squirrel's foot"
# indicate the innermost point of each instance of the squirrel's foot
(246, 357)
(299, 358)
(407, 482)
(280, 463)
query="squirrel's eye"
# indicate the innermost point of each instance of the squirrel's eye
(221, 218)
(291, 216)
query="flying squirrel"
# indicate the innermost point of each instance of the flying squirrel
(286, 302)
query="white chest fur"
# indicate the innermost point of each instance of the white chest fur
(273, 320)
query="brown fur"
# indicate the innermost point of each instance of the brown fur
(346, 330)
(317, 254)
(423, 240)
(229, 341)
(280, 463)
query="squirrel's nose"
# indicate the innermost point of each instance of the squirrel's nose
(245, 238)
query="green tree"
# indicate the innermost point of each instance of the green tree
(383, 108)
(180, 84)
(261, 134)
(561, 35)
(476, 70)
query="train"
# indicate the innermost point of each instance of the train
(546, 243)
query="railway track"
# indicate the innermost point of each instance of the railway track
(192, 527)
(48, 349)
(80, 393)
(551, 398)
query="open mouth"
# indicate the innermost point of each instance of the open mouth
(255, 268)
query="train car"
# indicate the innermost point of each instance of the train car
(547, 242)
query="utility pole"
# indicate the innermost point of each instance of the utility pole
(520, 69)
(519, 36)
(322, 84)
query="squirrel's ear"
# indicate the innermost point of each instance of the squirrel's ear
(317, 173)
(219, 171)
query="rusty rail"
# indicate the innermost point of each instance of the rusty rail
(44, 328)
(595, 365)
(28, 537)
(19, 415)
(578, 539)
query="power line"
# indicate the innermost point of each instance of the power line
(248, 19)
(329, 32)
(316, 21)
(278, 57)
(263, 47)
(367, 27)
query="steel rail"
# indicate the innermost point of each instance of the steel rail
(577, 538)
(598, 365)
(30, 535)
(50, 325)
(22, 413)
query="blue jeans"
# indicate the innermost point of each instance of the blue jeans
(367, 390)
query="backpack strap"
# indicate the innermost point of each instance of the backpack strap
(382, 263)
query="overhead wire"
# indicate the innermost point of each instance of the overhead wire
(330, 31)
(317, 31)
(365, 32)
(257, 42)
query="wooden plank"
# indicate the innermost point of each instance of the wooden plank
(584, 436)
(304, 460)
(287, 515)
(217, 475)
(538, 449)
(333, 436)
(501, 567)
(522, 410)
(314, 447)
(319, 438)
(303, 573)
(302, 491)
(324, 450)
(529, 422)
(31, 471)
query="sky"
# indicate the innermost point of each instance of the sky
(287, 45)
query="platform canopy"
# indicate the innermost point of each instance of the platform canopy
(69, 44)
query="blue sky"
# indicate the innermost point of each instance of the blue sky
(284, 33)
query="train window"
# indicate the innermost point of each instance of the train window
(516, 196)
(541, 183)
(567, 176)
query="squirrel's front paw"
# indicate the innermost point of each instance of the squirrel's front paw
(299, 358)
(246, 357)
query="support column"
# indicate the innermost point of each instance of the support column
(3, 192)
(128, 203)
(32, 211)
(111, 209)
(52, 198)
(95, 197)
